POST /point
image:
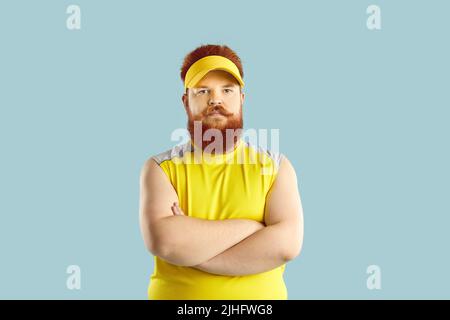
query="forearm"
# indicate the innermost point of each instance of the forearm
(262, 251)
(188, 241)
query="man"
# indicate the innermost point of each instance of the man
(219, 224)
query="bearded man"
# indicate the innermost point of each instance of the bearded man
(221, 216)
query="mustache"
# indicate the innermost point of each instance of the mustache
(219, 109)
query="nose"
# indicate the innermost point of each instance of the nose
(214, 99)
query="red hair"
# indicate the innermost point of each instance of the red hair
(210, 50)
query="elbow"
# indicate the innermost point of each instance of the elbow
(293, 251)
(167, 251)
(151, 247)
(293, 244)
(155, 241)
(291, 254)
(167, 246)
(159, 248)
(154, 245)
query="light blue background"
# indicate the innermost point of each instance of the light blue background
(363, 116)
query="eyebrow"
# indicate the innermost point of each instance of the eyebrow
(228, 85)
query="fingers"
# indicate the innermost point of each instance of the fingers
(176, 209)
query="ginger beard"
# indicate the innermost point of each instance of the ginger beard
(228, 129)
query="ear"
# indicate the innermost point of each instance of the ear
(242, 97)
(184, 98)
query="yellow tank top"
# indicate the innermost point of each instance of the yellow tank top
(230, 185)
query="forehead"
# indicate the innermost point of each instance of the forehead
(217, 77)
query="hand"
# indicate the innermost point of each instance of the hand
(177, 210)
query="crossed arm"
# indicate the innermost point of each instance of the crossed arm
(235, 246)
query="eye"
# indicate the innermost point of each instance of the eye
(228, 90)
(202, 91)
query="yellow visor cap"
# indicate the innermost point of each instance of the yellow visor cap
(201, 67)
